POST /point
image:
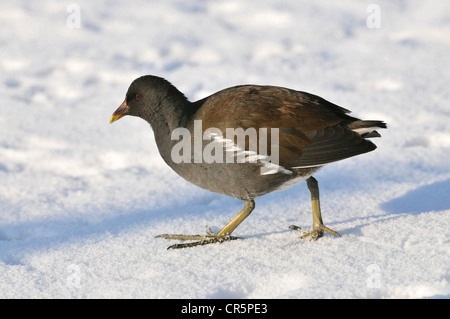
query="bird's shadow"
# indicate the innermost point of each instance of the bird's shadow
(432, 197)
(423, 199)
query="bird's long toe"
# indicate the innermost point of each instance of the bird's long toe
(199, 240)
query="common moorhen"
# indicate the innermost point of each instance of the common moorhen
(247, 141)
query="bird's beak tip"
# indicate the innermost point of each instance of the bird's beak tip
(121, 111)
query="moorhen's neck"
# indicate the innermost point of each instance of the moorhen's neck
(173, 110)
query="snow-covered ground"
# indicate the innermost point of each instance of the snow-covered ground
(81, 200)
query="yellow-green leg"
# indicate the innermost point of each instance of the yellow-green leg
(223, 235)
(318, 227)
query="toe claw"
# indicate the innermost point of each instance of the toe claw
(316, 233)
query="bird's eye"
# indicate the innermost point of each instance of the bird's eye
(138, 96)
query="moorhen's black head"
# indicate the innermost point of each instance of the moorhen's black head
(153, 99)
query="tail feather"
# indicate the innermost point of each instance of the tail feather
(367, 129)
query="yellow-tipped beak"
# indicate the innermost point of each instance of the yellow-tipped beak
(121, 111)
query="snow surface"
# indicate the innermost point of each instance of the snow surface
(81, 200)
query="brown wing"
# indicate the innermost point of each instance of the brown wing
(312, 131)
